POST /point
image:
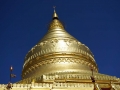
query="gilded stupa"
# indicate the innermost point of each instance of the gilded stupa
(61, 62)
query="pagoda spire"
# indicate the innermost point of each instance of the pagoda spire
(55, 16)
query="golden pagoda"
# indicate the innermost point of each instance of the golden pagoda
(60, 62)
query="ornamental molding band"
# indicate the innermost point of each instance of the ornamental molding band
(61, 62)
(56, 24)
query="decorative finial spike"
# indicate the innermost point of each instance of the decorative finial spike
(54, 8)
(55, 16)
(11, 68)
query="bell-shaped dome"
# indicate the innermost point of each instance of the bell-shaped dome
(58, 51)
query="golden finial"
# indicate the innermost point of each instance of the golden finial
(54, 8)
(11, 68)
(55, 16)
